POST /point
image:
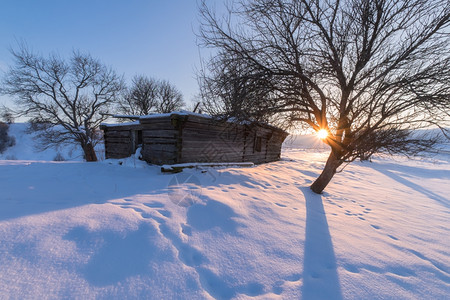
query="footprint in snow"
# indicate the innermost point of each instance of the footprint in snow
(280, 205)
(154, 205)
(294, 277)
(186, 229)
(146, 216)
(277, 288)
(126, 206)
(392, 237)
(351, 268)
(165, 213)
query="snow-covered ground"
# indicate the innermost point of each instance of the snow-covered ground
(25, 148)
(121, 229)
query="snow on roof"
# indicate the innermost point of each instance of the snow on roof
(120, 124)
(187, 113)
(180, 113)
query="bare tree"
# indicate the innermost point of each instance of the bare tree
(141, 98)
(73, 94)
(369, 72)
(148, 95)
(170, 98)
(228, 90)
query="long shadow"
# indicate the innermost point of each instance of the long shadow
(28, 188)
(387, 170)
(320, 277)
(425, 173)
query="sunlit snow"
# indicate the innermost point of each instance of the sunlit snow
(120, 229)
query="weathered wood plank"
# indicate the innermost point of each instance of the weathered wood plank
(161, 133)
(119, 140)
(160, 147)
(115, 133)
(154, 140)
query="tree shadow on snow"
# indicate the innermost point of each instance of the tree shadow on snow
(390, 171)
(320, 277)
(29, 188)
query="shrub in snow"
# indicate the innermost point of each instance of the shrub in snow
(59, 157)
(7, 116)
(5, 140)
(37, 125)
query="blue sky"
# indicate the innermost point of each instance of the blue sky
(153, 37)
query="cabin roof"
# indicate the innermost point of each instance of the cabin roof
(187, 113)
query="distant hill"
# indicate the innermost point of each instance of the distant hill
(308, 141)
(25, 147)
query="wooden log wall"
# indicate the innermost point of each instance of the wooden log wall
(160, 137)
(209, 140)
(190, 138)
(119, 140)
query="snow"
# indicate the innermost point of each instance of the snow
(25, 148)
(179, 113)
(121, 229)
(121, 124)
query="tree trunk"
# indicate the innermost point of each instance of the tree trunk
(89, 152)
(328, 172)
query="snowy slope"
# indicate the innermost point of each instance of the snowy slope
(108, 231)
(25, 148)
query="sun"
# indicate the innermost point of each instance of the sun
(322, 134)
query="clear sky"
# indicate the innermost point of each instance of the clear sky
(150, 37)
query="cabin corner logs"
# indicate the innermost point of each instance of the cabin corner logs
(192, 138)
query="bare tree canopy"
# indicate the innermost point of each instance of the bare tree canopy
(141, 98)
(148, 95)
(74, 94)
(170, 98)
(366, 71)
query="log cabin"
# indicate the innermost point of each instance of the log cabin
(184, 137)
